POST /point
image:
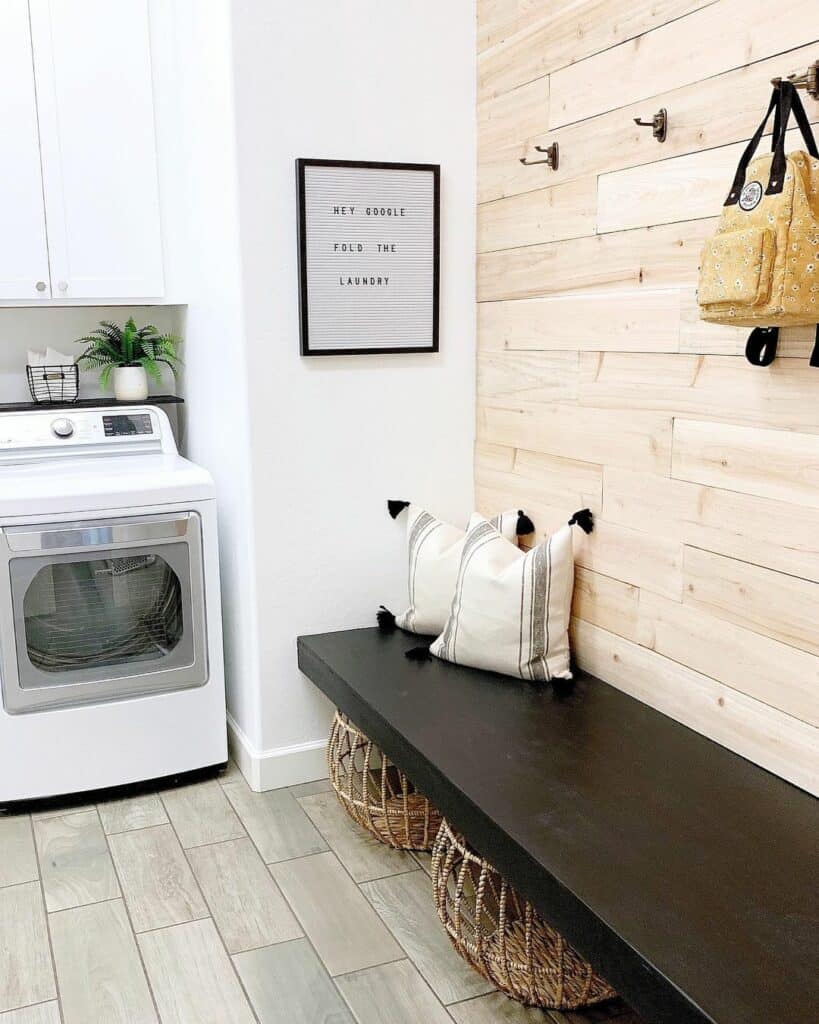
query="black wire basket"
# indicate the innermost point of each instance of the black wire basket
(50, 385)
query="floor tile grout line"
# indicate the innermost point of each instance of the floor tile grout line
(82, 906)
(136, 828)
(89, 903)
(128, 917)
(172, 924)
(287, 902)
(210, 916)
(377, 878)
(390, 963)
(69, 812)
(409, 957)
(391, 932)
(54, 974)
(398, 942)
(406, 955)
(196, 846)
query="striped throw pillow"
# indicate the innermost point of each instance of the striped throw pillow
(510, 610)
(434, 550)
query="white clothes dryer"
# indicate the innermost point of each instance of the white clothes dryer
(111, 667)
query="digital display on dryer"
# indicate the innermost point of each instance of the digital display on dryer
(120, 426)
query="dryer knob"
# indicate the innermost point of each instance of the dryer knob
(62, 428)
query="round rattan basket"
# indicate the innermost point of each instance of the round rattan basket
(375, 793)
(501, 936)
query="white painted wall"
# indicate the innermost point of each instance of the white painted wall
(331, 439)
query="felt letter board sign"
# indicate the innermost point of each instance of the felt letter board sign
(369, 242)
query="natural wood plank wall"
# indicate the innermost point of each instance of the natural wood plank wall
(599, 386)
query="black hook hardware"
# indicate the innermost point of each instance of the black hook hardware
(809, 81)
(552, 156)
(658, 124)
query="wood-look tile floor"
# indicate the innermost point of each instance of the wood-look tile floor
(207, 903)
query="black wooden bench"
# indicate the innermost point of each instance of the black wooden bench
(685, 874)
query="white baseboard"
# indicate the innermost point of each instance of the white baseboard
(279, 766)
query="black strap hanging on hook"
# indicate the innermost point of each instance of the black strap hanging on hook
(760, 349)
(814, 356)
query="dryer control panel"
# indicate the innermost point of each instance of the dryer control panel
(30, 436)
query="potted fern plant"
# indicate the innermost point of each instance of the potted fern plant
(131, 354)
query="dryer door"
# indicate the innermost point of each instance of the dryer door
(101, 610)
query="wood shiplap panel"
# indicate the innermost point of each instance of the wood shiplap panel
(782, 744)
(704, 115)
(628, 555)
(725, 35)
(772, 603)
(590, 435)
(635, 321)
(547, 215)
(654, 257)
(778, 464)
(606, 602)
(773, 672)
(759, 530)
(695, 386)
(498, 19)
(599, 386)
(506, 121)
(538, 480)
(552, 35)
(684, 188)
(508, 378)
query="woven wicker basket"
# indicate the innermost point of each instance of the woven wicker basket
(502, 937)
(375, 793)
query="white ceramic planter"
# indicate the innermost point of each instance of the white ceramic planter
(130, 383)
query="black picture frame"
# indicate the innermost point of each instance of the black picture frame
(435, 170)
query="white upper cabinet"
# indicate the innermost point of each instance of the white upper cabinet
(23, 249)
(96, 169)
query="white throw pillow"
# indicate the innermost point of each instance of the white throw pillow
(510, 611)
(434, 551)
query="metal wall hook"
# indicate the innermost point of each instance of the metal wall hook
(658, 124)
(552, 156)
(809, 81)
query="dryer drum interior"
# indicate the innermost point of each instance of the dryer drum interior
(102, 612)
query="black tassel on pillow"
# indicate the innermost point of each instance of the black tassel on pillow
(525, 525)
(419, 653)
(395, 508)
(562, 687)
(584, 518)
(386, 620)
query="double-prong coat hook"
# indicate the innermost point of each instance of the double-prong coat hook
(552, 154)
(809, 81)
(658, 124)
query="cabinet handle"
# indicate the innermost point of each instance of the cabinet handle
(63, 286)
(40, 286)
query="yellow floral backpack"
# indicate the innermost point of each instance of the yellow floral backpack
(761, 268)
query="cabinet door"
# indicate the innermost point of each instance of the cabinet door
(92, 62)
(23, 249)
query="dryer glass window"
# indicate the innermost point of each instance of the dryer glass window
(102, 612)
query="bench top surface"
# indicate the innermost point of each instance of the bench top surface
(686, 874)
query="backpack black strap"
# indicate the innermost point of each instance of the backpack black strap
(790, 104)
(751, 148)
(814, 356)
(784, 102)
(804, 123)
(760, 349)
